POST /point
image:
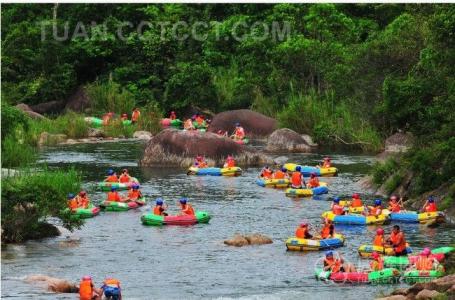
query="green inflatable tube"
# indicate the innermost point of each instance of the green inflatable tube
(115, 206)
(202, 126)
(444, 250)
(415, 276)
(106, 186)
(84, 213)
(97, 122)
(184, 220)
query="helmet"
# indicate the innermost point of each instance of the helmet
(393, 198)
(303, 224)
(159, 201)
(172, 112)
(87, 278)
(431, 199)
(375, 255)
(336, 200)
(125, 170)
(136, 186)
(298, 168)
(426, 252)
(71, 196)
(110, 172)
(124, 115)
(329, 253)
(237, 124)
(283, 169)
(183, 200)
(113, 188)
(355, 196)
(380, 231)
(377, 202)
(313, 175)
(82, 193)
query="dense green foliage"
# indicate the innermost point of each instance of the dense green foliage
(29, 199)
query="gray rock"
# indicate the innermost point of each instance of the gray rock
(94, 133)
(287, 140)
(142, 135)
(427, 294)
(394, 297)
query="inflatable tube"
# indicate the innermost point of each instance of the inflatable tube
(155, 220)
(97, 122)
(444, 250)
(84, 213)
(402, 262)
(118, 206)
(388, 275)
(297, 244)
(234, 171)
(353, 219)
(106, 186)
(273, 183)
(200, 126)
(367, 250)
(166, 122)
(414, 217)
(307, 170)
(415, 276)
(321, 189)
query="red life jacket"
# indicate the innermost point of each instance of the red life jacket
(86, 290)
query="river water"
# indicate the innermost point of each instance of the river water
(192, 262)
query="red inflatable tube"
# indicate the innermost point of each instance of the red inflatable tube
(180, 220)
(349, 277)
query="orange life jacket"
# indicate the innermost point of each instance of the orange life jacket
(230, 163)
(334, 264)
(424, 263)
(86, 290)
(378, 240)
(325, 232)
(431, 207)
(240, 133)
(158, 210)
(135, 115)
(106, 119)
(267, 173)
(398, 241)
(113, 196)
(394, 207)
(301, 232)
(313, 182)
(124, 178)
(188, 210)
(279, 175)
(377, 265)
(134, 194)
(83, 202)
(296, 179)
(112, 178)
(356, 202)
(112, 282)
(199, 120)
(376, 211)
(337, 209)
(72, 204)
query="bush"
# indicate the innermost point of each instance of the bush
(12, 118)
(30, 198)
(16, 153)
(110, 96)
(382, 171)
(150, 118)
(117, 129)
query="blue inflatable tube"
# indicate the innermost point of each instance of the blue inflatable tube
(404, 217)
(209, 171)
(260, 182)
(320, 190)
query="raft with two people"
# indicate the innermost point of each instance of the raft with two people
(232, 171)
(415, 217)
(122, 205)
(356, 219)
(107, 186)
(385, 276)
(307, 170)
(84, 213)
(97, 122)
(183, 220)
(314, 244)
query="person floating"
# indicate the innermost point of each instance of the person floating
(377, 264)
(124, 177)
(336, 265)
(230, 162)
(134, 193)
(160, 208)
(266, 173)
(328, 230)
(83, 200)
(200, 162)
(303, 232)
(239, 132)
(188, 125)
(394, 205)
(111, 176)
(425, 262)
(107, 118)
(113, 195)
(199, 119)
(356, 201)
(430, 205)
(280, 174)
(379, 238)
(87, 290)
(135, 115)
(336, 208)
(297, 181)
(124, 117)
(376, 210)
(326, 163)
(111, 289)
(397, 241)
(313, 182)
(72, 201)
(186, 209)
(172, 115)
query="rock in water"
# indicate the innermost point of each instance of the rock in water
(173, 147)
(254, 123)
(253, 239)
(287, 140)
(53, 284)
(237, 241)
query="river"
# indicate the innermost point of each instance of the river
(192, 262)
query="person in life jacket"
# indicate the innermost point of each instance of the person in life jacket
(172, 115)
(107, 118)
(336, 265)
(111, 176)
(87, 290)
(336, 208)
(239, 132)
(303, 232)
(394, 205)
(111, 288)
(379, 238)
(230, 162)
(356, 201)
(135, 115)
(186, 209)
(425, 262)
(313, 182)
(113, 195)
(199, 119)
(376, 210)
(328, 230)
(430, 205)
(72, 201)
(297, 181)
(124, 117)
(82, 199)
(188, 125)
(200, 162)
(280, 174)
(160, 208)
(124, 177)
(266, 173)
(326, 163)
(134, 193)
(377, 264)
(397, 241)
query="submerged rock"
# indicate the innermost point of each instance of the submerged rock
(239, 240)
(287, 140)
(53, 284)
(178, 148)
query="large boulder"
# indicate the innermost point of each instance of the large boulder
(254, 123)
(287, 140)
(239, 240)
(427, 295)
(53, 284)
(29, 112)
(78, 101)
(173, 147)
(51, 107)
(399, 142)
